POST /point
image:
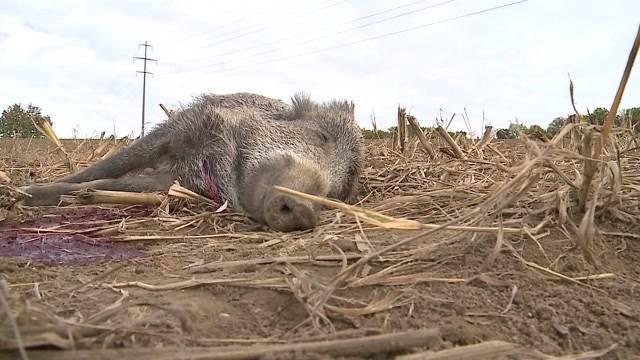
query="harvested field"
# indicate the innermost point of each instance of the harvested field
(519, 271)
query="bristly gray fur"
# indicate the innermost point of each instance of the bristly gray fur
(237, 147)
(235, 133)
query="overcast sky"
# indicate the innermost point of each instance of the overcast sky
(74, 58)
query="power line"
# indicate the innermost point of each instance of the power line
(144, 73)
(270, 25)
(237, 20)
(338, 32)
(413, 28)
(210, 28)
(352, 28)
(382, 20)
(296, 15)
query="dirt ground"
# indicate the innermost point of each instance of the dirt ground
(217, 280)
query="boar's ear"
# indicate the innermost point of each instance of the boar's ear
(344, 105)
(302, 104)
(351, 106)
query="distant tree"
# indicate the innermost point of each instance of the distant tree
(511, 132)
(370, 134)
(409, 129)
(517, 127)
(454, 134)
(633, 116)
(555, 126)
(536, 132)
(505, 134)
(18, 122)
(597, 116)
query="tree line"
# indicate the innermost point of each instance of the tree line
(630, 118)
(17, 121)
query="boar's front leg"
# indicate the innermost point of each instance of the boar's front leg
(49, 194)
(142, 153)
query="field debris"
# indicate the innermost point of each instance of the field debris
(486, 247)
(434, 211)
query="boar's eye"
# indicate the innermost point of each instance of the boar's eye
(318, 137)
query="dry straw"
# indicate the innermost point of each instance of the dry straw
(425, 199)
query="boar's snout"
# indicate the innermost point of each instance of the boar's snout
(286, 213)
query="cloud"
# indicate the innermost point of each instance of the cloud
(74, 59)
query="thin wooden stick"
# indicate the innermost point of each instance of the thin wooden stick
(45, 128)
(220, 265)
(4, 289)
(394, 139)
(377, 344)
(486, 138)
(168, 112)
(484, 350)
(590, 166)
(89, 196)
(452, 144)
(423, 140)
(611, 116)
(497, 152)
(402, 128)
(388, 222)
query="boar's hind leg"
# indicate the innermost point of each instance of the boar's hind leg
(49, 194)
(142, 153)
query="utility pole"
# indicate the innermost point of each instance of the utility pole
(144, 73)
